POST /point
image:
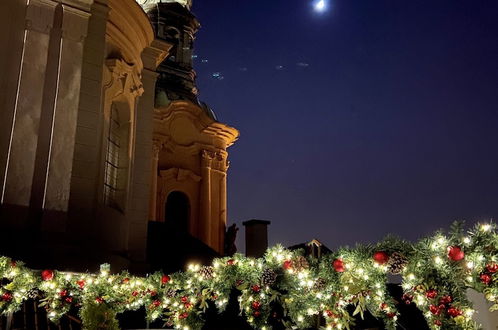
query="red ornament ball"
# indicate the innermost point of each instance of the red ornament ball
(381, 257)
(68, 300)
(445, 299)
(338, 265)
(438, 323)
(134, 293)
(184, 299)
(99, 300)
(383, 306)
(492, 268)
(455, 253)
(183, 316)
(454, 312)
(485, 278)
(256, 305)
(434, 309)
(256, 313)
(230, 262)
(431, 294)
(156, 303)
(63, 293)
(255, 288)
(391, 315)
(47, 275)
(165, 279)
(287, 264)
(7, 296)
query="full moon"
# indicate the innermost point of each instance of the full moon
(320, 5)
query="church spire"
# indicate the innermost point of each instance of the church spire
(174, 23)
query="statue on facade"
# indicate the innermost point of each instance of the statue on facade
(230, 237)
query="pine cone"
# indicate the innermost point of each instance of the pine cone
(319, 284)
(207, 272)
(300, 263)
(171, 293)
(269, 277)
(397, 263)
(33, 294)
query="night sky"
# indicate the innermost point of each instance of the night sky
(374, 117)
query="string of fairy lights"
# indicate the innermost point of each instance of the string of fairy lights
(282, 287)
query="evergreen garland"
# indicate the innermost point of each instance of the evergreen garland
(283, 286)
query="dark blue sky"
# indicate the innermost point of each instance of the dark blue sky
(391, 128)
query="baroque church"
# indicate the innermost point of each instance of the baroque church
(107, 153)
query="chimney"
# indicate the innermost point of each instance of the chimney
(256, 237)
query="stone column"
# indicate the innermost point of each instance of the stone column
(156, 148)
(205, 218)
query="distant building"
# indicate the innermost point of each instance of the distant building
(102, 132)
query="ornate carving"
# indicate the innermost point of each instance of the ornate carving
(207, 158)
(125, 77)
(179, 174)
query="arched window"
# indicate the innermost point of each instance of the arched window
(116, 160)
(177, 211)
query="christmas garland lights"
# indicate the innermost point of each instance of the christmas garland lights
(435, 275)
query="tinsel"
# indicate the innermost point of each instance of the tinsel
(436, 272)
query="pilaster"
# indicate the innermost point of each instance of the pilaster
(142, 171)
(206, 199)
(27, 108)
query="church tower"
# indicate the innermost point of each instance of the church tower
(190, 159)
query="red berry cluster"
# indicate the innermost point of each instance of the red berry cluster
(64, 294)
(444, 305)
(256, 305)
(287, 264)
(81, 284)
(7, 296)
(486, 277)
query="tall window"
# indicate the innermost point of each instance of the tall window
(112, 162)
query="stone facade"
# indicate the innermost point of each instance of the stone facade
(84, 152)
